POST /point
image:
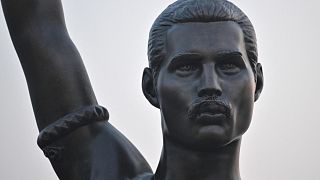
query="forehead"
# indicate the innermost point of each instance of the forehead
(204, 38)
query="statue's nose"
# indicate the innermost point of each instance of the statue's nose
(209, 83)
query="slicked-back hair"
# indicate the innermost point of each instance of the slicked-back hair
(184, 11)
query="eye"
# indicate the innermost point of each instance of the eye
(186, 69)
(229, 68)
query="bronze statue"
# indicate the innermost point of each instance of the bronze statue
(203, 76)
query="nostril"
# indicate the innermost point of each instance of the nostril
(209, 92)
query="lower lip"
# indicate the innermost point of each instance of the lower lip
(211, 119)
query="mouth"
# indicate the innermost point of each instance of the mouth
(212, 113)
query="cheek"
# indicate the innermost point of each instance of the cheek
(245, 92)
(173, 94)
(243, 102)
(174, 99)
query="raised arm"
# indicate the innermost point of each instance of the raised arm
(62, 98)
(56, 77)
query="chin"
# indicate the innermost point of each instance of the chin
(207, 139)
(216, 143)
(212, 143)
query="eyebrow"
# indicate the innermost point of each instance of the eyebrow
(227, 53)
(185, 57)
(198, 56)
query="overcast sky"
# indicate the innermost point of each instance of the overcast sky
(283, 140)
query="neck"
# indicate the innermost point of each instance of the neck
(178, 162)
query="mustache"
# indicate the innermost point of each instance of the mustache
(200, 103)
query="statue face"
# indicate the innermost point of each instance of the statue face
(205, 88)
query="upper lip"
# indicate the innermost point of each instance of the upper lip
(212, 108)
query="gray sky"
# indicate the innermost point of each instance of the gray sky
(283, 140)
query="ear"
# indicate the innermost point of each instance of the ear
(148, 87)
(259, 81)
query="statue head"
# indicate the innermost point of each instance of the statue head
(203, 74)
